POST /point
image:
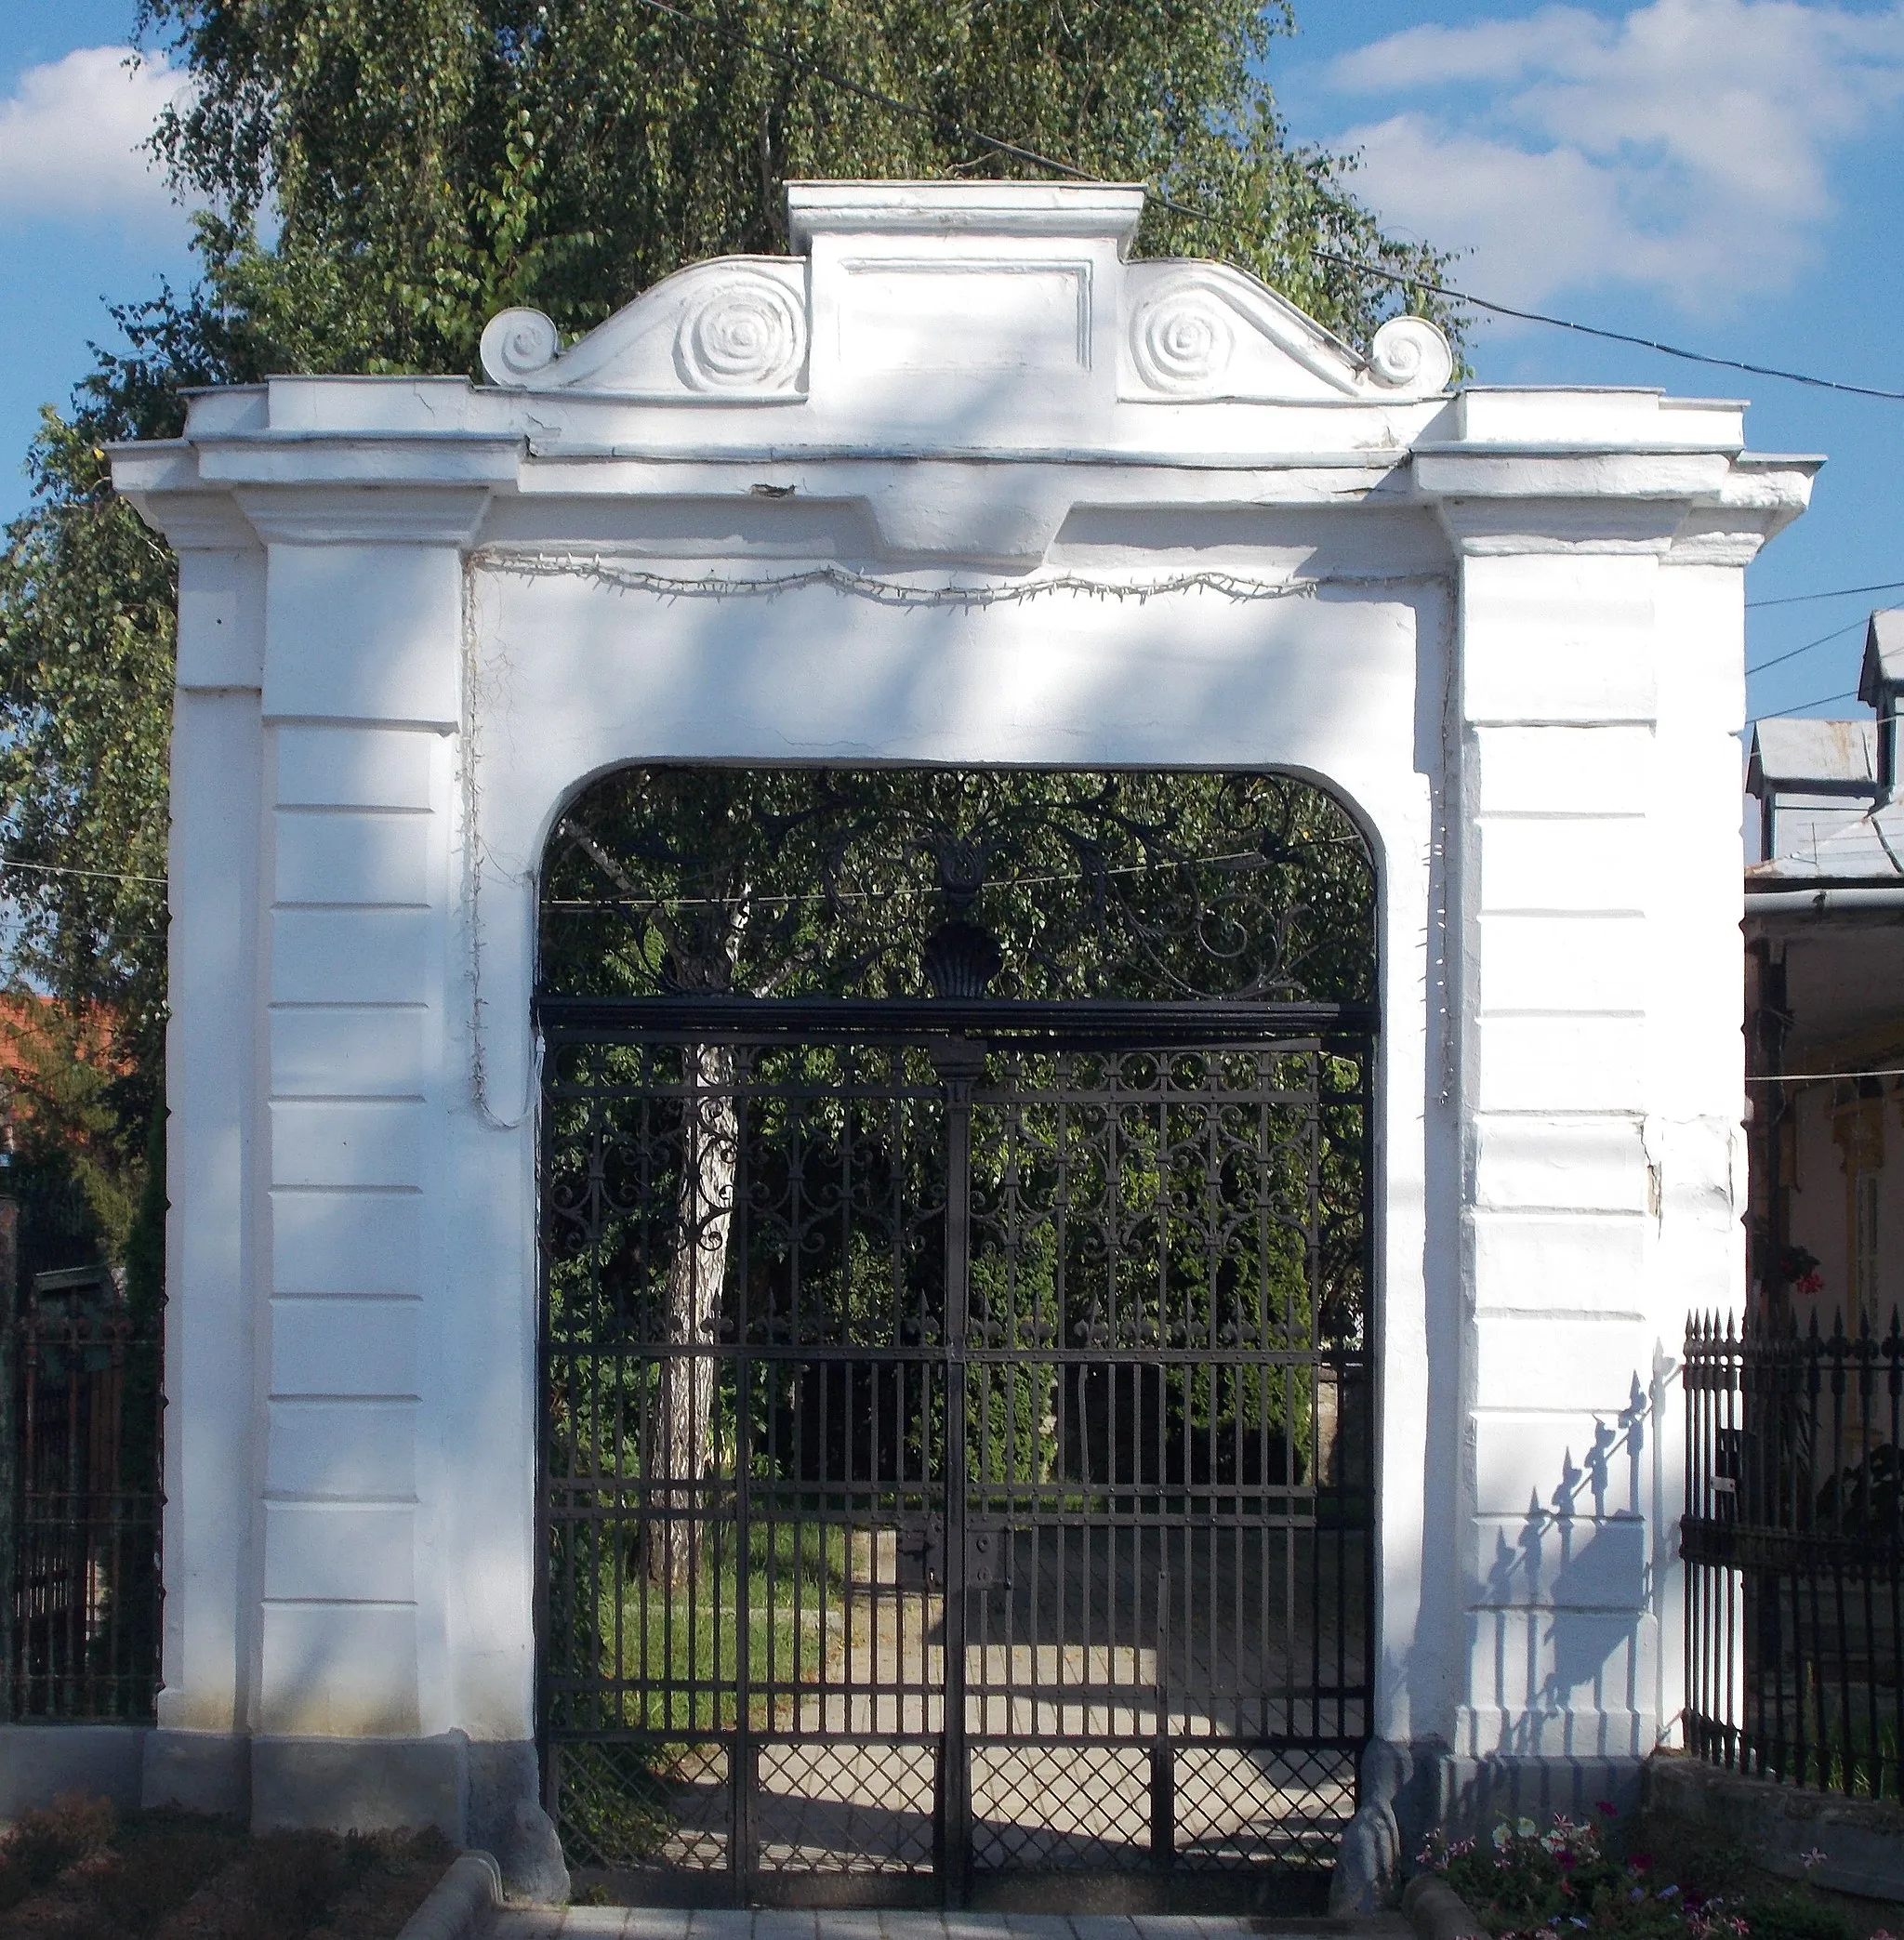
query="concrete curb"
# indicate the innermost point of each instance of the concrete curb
(1781, 1826)
(1437, 1912)
(460, 1903)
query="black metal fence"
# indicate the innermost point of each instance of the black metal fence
(79, 1622)
(1793, 1542)
(957, 1465)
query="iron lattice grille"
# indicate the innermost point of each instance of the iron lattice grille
(955, 1454)
(79, 1621)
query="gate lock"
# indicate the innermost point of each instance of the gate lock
(920, 1556)
(988, 1558)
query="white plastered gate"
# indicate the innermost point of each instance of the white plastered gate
(1185, 528)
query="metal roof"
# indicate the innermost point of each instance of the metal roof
(1835, 755)
(1884, 656)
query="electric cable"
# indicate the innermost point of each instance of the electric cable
(1824, 639)
(99, 874)
(1823, 700)
(1837, 592)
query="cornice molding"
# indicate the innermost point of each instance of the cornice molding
(409, 460)
(347, 515)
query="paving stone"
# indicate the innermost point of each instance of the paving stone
(785, 1923)
(720, 1923)
(1103, 1926)
(1166, 1926)
(848, 1923)
(655, 1922)
(975, 1926)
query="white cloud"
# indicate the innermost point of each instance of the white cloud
(1686, 145)
(71, 140)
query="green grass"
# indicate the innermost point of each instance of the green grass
(679, 1648)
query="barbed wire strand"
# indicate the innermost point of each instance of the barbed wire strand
(885, 592)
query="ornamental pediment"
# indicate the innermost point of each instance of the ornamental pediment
(908, 298)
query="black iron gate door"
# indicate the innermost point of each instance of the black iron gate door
(956, 1449)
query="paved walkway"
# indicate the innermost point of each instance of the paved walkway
(665, 1923)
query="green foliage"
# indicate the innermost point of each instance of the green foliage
(86, 603)
(57, 1228)
(801, 881)
(144, 1250)
(1797, 1914)
(80, 1164)
(426, 161)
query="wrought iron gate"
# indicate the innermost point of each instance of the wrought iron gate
(957, 1442)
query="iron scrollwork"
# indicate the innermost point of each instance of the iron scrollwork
(955, 1432)
(874, 883)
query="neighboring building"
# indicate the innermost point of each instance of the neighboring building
(1824, 965)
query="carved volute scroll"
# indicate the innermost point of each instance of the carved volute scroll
(910, 290)
(1209, 331)
(745, 333)
(736, 326)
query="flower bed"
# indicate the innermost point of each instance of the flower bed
(81, 1871)
(1521, 1882)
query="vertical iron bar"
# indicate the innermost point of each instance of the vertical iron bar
(960, 1063)
(745, 1757)
(1893, 1538)
(1163, 1775)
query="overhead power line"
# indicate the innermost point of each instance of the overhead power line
(1615, 337)
(96, 875)
(1018, 151)
(1837, 592)
(1824, 639)
(1786, 713)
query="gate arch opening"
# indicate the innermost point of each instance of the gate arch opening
(957, 1333)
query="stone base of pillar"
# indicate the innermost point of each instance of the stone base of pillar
(39, 1762)
(1477, 1793)
(470, 1792)
(198, 1771)
(361, 1785)
(503, 1778)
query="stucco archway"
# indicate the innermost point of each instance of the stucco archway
(1136, 515)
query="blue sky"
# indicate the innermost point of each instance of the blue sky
(1723, 174)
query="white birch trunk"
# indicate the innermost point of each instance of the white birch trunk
(681, 1437)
